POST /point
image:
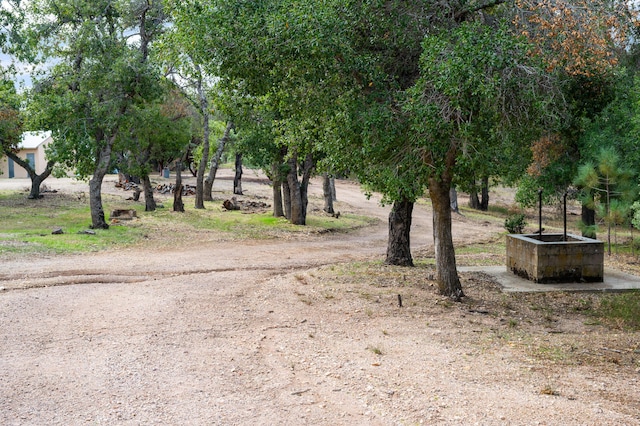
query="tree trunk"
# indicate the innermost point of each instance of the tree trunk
(278, 185)
(276, 179)
(332, 183)
(589, 222)
(278, 211)
(297, 209)
(484, 202)
(204, 109)
(286, 198)
(474, 201)
(178, 205)
(95, 187)
(446, 272)
(307, 169)
(453, 200)
(398, 243)
(149, 202)
(136, 194)
(237, 179)
(326, 192)
(36, 179)
(215, 163)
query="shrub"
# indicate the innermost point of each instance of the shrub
(515, 223)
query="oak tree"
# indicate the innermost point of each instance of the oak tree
(100, 70)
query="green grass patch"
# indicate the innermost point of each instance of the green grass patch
(26, 225)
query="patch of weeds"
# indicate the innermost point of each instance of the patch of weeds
(376, 350)
(505, 302)
(552, 353)
(512, 323)
(365, 295)
(623, 309)
(584, 305)
(446, 303)
(500, 210)
(548, 390)
(303, 298)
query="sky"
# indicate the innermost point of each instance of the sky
(22, 78)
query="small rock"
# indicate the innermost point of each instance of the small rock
(87, 232)
(57, 231)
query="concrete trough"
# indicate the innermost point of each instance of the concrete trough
(548, 258)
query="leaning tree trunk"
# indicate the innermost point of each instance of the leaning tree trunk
(149, 202)
(95, 187)
(36, 179)
(36, 182)
(446, 272)
(326, 192)
(215, 163)
(178, 204)
(237, 178)
(399, 243)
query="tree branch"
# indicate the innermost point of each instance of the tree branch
(463, 14)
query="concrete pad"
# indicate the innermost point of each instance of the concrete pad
(614, 281)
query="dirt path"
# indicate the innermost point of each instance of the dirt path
(216, 336)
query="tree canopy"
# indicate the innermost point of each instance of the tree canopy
(101, 71)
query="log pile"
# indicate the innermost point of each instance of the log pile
(245, 205)
(124, 214)
(167, 188)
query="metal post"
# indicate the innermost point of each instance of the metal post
(540, 212)
(565, 216)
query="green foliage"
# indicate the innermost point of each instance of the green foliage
(515, 223)
(474, 92)
(158, 132)
(635, 219)
(10, 117)
(606, 187)
(96, 78)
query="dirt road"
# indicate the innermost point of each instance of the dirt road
(212, 335)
